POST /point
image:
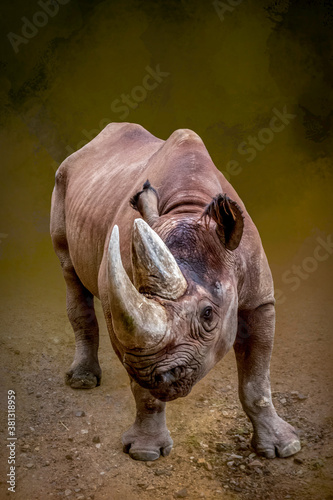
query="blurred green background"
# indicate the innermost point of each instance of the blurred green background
(226, 68)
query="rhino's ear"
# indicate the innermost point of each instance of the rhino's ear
(229, 220)
(146, 203)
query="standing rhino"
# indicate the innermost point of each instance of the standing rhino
(179, 286)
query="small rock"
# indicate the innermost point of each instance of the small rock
(255, 463)
(46, 463)
(252, 455)
(294, 393)
(301, 397)
(283, 401)
(242, 467)
(80, 497)
(30, 465)
(96, 439)
(38, 395)
(68, 492)
(69, 457)
(16, 351)
(150, 487)
(80, 413)
(243, 446)
(84, 431)
(205, 464)
(221, 447)
(162, 472)
(230, 464)
(181, 493)
(149, 463)
(298, 461)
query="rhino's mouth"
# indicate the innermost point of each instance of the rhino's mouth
(174, 383)
(165, 384)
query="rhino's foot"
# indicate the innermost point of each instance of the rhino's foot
(143, 446)
(84, 376)
(275, 438)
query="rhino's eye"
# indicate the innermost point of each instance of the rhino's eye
(208, 318)
(207, 313)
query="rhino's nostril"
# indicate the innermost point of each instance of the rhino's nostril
(163, 378)
(170, 376)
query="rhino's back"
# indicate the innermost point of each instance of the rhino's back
(103, 175)
(99, 180)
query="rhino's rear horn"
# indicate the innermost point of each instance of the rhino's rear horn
(155, 269)
(229, 220)
(146, 202)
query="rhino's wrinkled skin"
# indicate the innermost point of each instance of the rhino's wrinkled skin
(202, 286)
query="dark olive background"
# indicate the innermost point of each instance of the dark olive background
(225, 78)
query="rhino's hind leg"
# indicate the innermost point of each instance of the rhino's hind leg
(148, 438)
(272, 436)
(85, 371)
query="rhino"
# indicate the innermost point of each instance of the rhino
(180, 271)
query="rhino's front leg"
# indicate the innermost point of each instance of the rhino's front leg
(272, 436)
(148, 438)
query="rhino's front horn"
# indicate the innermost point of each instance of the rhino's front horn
(139, 323)
(155, 270)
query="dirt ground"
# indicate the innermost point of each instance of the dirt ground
(69, 441)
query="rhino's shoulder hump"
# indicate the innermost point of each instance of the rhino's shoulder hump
(126, 132)
(184, 136)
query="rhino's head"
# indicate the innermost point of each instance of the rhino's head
(180, 316)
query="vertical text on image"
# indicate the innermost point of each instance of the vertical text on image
(11, 445)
